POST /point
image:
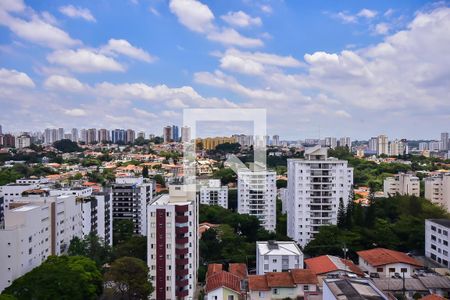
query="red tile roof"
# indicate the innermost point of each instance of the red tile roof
(324, 264)
(257, 283)
(433, 297)
(279, 279)
(223, 279)
(381, 256)
(304, 276)
(213, 268)
(238, 269)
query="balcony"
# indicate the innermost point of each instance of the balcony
(183, 240)
(181, 261)
(182, 272)
(181, 219)
(181, 230)
(181, 251)
(182, 293)
(181, 208)
(182, 283)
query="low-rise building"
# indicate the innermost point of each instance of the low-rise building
(282, 285)
(277, 256)
(421, 285)
(437, 239)
(225, 285)
(403, 184)
(332, 266)
(386, 263)
(437, 189)
(214, 194)
(347, 289)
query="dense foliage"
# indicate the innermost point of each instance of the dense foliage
(18, 171)
(396, 223)
(67, 146)
(59, 277)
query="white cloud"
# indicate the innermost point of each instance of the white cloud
(238, 64)
(231, 37)
(266, 58)
(342, 114)
(75, 112)
(15, 78)
(38, 31)
(12, 5)
(77, 12)
(345, 17)
(84, 61)
(367, 13)
(382, 28)
(64, 83)
(142, 113)
(125, 48)
(193, 14)
(241, 19)
(266, 8)
(154, 11)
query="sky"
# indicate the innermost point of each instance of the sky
(320, 68)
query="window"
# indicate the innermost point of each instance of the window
(391, 270)
(306, 287)
(403, 270)
(380, 270)
(230, 297)
(275, 291)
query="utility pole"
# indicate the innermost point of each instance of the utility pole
(404, 288)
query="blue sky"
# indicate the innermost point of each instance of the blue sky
(341, 68)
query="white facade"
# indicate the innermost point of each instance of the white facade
(437, 190)
(173, 244)
(403, 184)
(382, 145)
(23, 141)
(386, 263)
(437, 239)
(316, 185)
(282, 194)
(257, 196)
(214, 194)
(130, 198)
(277, 256)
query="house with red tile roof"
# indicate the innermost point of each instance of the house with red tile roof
(433, 297)
(328, 265)
(281, 285)
(386, 263)
(225, 285)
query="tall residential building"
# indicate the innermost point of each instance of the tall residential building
(167, 134)
(444, 141)
(214, 193)
(398, 147)
(330, 142)
(316, 186)
(141, 134)
(103, 135)
(131, 136)
(185, 134)
(423, 146)
(131, 195)
(175, 133)
(118, 136)
(211, 143)
(373, 144)
(50, 136)
(91, 136)
(382, 145)
(173, 253)
(276, 140)
(403, 184)
(257, 196)
(434, 146)
(83, 135)
(74, 135)
(23, 141)
(345, 142)
(437, 239)
(437, 190)
(60, 134)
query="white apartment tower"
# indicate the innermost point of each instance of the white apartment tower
(437, 190)
(214, 194)
(316, 185)
(382, 145)
(403, 184)
(172, 236)
(130, 198)
(437, 239)
(185, 134)
(257, 196)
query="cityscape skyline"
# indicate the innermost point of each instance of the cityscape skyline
(349, 76)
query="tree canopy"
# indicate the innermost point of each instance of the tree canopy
(67, 146)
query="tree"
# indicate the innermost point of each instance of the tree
(67, 146)
(136, 246)
(128, 277)
(145, 172)
(226, 175)
(159, 179)
(123, 231)
(91, 246)
(341, 214)
(59, 277)
(281, 183)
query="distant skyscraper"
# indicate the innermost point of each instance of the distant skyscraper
(74, 135)
(175, 133)
(103, 135)
(444, 141)
(185, 134)
(167, 134)
(141, 134)
(331, 142)
(276, 140)
(382, 145)
(423, 146)
(131, 136)
(91, 136)
(345, 142)
(118, 136)
(373, 144)
(48, 136)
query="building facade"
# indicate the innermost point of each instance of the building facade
(437, 239)
(214, 194)
(316, 186)
(277, 256)
(403, 184)
(437, 190)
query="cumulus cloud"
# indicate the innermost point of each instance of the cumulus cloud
(123, 47)
(367, 13)
(229, 36)
(84, 61)
(381, 28)
(241, 19)
(64, 83)
(77, 12)
(347, 17)
(75, 112)
(15, 78)
(193, 14)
